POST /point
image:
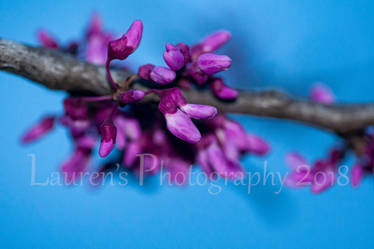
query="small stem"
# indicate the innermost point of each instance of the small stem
(111, 81)
(114, 110)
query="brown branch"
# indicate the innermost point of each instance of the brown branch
(60, 71)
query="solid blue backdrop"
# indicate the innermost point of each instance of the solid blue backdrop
(286, 44)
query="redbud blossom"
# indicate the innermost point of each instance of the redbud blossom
(215, 41)
(131, 96)
(322, 94)
(144, 71)
(357, 173)
(221, 90)
(108, 137)
(162, 75)
(40, 129)
(185, 49)
(173, 57)
(47, 40)
(127, 44)
(213, 63)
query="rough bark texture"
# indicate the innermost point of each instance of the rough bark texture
(60, 71)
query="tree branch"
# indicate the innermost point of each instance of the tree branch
(60, 71)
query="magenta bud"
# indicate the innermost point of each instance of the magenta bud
(40, 129)
(162, 75)
(132, 150)
(86, 142)
(95, 25)
(173, 57)
(127, 44)
(215, 41)
(47, 40)
(224, 167)
(213, 63)
(144, 71)
(221, 90)
(181, 126)
(320, 93)
(257, 145)
(75, 108)
(199, 111)
(96, 47)
(296, 161)
(108, 137)
(185, 49)
(357, 172)
(131, 96)
(322, 182)
(199, 76)
(76, 165)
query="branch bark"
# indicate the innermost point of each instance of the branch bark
(60, 71)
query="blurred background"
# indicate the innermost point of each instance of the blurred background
(286, 44)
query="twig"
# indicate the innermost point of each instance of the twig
(60, 71)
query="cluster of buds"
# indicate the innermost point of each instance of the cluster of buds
(320, 176)
(195, 65)
(176, 136)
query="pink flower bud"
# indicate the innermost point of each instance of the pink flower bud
(95, 26)
(173, 57)
(131, 96)
(185, 49)
(357, 173)
(162, 75)
(257, 145)
(225, 168)
(295, 160)
(75, 108)
(47, 40)
(320, 93)
(199, 76)
(132, 150)
(215, 41)
(76, 165)
(96, 48)
(108, 137)
(323, 181)
(221, 90)
(199, 111)
(144, 71)
(40, 129)
(181, 126)
(127, 44)
(213, 63)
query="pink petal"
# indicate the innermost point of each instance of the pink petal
(181, 126)
(295, 160)
(213, 63)
(40, 129)
(357, 174)
(322, 94)
(173, 57)
(257, 145)
(215, 40)
(199, 111)
(132, 150)
(162, 75)
(323, 181)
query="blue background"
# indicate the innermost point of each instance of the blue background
(287, 44)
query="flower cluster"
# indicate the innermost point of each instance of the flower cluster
(193, 65)
(175, 134)
(322, 174)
